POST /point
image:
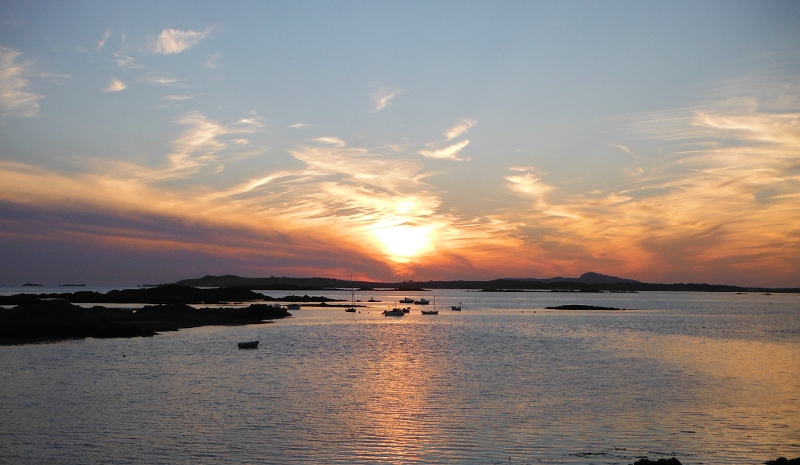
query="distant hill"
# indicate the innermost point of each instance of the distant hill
(586, 278)
(587, 282)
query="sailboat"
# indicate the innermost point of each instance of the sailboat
(435, 311)
(352, 308)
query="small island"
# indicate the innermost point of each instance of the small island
(582, 307)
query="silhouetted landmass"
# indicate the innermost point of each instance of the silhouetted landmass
(166, 294)
(581, 307)
(588, 282)
(54, 320)
(784, 461)
(645, 461)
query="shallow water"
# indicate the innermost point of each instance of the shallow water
(708, 378)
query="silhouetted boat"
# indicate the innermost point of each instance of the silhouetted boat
(456, 308)
(422, 301)
(407, 300)
(372, 299)
(293, 307)
(352, 308)
(435, 311)
(248, 345)
(395, 312)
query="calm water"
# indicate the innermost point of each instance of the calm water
(708, 378)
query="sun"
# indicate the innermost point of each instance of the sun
(402, 243)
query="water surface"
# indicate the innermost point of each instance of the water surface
(706, 377)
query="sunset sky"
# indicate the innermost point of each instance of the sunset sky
(146, 142)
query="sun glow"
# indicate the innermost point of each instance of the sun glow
(404, 242)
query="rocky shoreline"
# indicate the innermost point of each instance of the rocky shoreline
(58, 320)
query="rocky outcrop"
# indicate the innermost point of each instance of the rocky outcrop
(672, 461)
(54, 320)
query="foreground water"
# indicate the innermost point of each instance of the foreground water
(708, 378)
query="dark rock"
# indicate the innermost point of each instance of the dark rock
(581, 307)
(784, 461)
(645, 461)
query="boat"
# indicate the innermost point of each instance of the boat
(248, 345)
(456, 308)
(293, 307)
(394, 312)
(435, 310)
(422, 301)
(407, 300)
(352, 307)
(406, 310)
(372, 299)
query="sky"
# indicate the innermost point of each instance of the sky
(147, 142)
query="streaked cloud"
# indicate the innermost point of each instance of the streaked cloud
(102, 42)
(172, 41)
(381, 97)
(212, 62)
(449, 152)
(331, 141)
(623, 148)
(115, 86)
(16, 98)
(179, 97)
(159, 78)
(459, 129)
(299, 125)
(723, 200)
(201, 144)
(126, 62)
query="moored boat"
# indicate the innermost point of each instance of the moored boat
(293, 307)
(430, 312)
(248, 345)
(422, 301)
(407, 300)
(456, 308)
(394, 312)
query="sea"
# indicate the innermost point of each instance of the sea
(708, 378)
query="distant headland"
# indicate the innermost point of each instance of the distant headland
(587, 282)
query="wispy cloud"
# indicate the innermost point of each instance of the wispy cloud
(299, 125)
(724, 200)
(102, 42)
(331, 141)
(213, 61)
(381, 97)
(115, 86)
(172, 41)
(126, 62)
(201, 144)
(159, 78)
(623, 148)
(179, 97)
(16, 100)
(449, 152)
(459, 129)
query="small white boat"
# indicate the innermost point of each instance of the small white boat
(248, 345)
